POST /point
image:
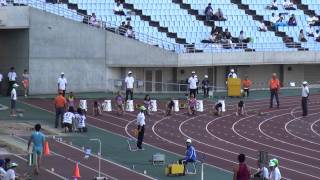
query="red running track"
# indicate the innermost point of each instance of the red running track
(282, 132)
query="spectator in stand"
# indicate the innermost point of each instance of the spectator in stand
(317, 36)
(280, 22)
(215, 38)
(3, 3)
(122, 28)
(118, 9)
(242, 38)
(12, 76)
(301, 37)
(292, 20)
(313, 20)
(128, 25)
(262, 26)
(93, 20)
(208, 12)
(218, 16)
(273, 5)
(310, 31)
(130, 33)
(274, 19)
(288, 5)
(226, 34)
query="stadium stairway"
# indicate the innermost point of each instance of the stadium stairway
(155, 23)
(305, 8)
(200, 17)
(257, 17)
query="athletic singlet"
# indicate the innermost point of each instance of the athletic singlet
(243, 172)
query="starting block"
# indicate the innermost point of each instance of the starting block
(131, 144)
(129, 106)
(174, 170)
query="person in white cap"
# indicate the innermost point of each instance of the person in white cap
(141, 123)
(62, 84)
(205, 86)
(193, 80)
(14, 99)
(190, 156)
(11, 174)
(129, 80)
(232, 74)
(304, 101)
(274, 170)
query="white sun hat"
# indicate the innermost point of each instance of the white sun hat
(129, 72)
(205, 76)
(188, 141)
(304, 82)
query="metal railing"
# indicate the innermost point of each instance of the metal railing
(62, 10)
(141, 86)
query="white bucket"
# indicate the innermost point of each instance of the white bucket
(129, 106)
(176, 105)
(153, 106)
(223, 105)
(106, 106)
(199, 105)
(83, 105)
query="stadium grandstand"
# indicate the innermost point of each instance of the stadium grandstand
(170, 51)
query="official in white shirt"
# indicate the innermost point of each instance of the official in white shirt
(12, 76)
(274, 171)
(62, 84)
(304, 100)
(129, 85)
(232, 74)
(141, 124)
(14, 98)
(193, 81)
(11, 174)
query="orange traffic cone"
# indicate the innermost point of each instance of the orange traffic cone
(46, 150)
(76, 172)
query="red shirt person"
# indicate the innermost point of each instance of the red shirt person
(246, 84)
(274, 86)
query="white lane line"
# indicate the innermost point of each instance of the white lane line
(276, 139)
(47, 170)
(297, 118)
(312, 127)
(206, 144)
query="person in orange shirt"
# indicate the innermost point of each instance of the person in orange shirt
(246, 84)
(274, 86)
(60, 104)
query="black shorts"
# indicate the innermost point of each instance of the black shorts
(13, 104)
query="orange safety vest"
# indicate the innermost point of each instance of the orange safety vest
(246, 83)
(274, 84)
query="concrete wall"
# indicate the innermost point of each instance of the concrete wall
(14, 51)
(61, 45)
(13, 18)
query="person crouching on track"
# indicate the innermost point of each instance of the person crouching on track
(192, 103)
(170, 106)
(218, 109)
(96, 108)
(80, 120)
(68, 119)
(120, 103)
(190, 156)
(147, 104)
(240, 109)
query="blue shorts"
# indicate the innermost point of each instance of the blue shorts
(37, 150)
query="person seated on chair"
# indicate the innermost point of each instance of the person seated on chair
(170, 106)
(240, 109)
(192, 103)
(218, 109)
(96, 108)
(190, 156)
